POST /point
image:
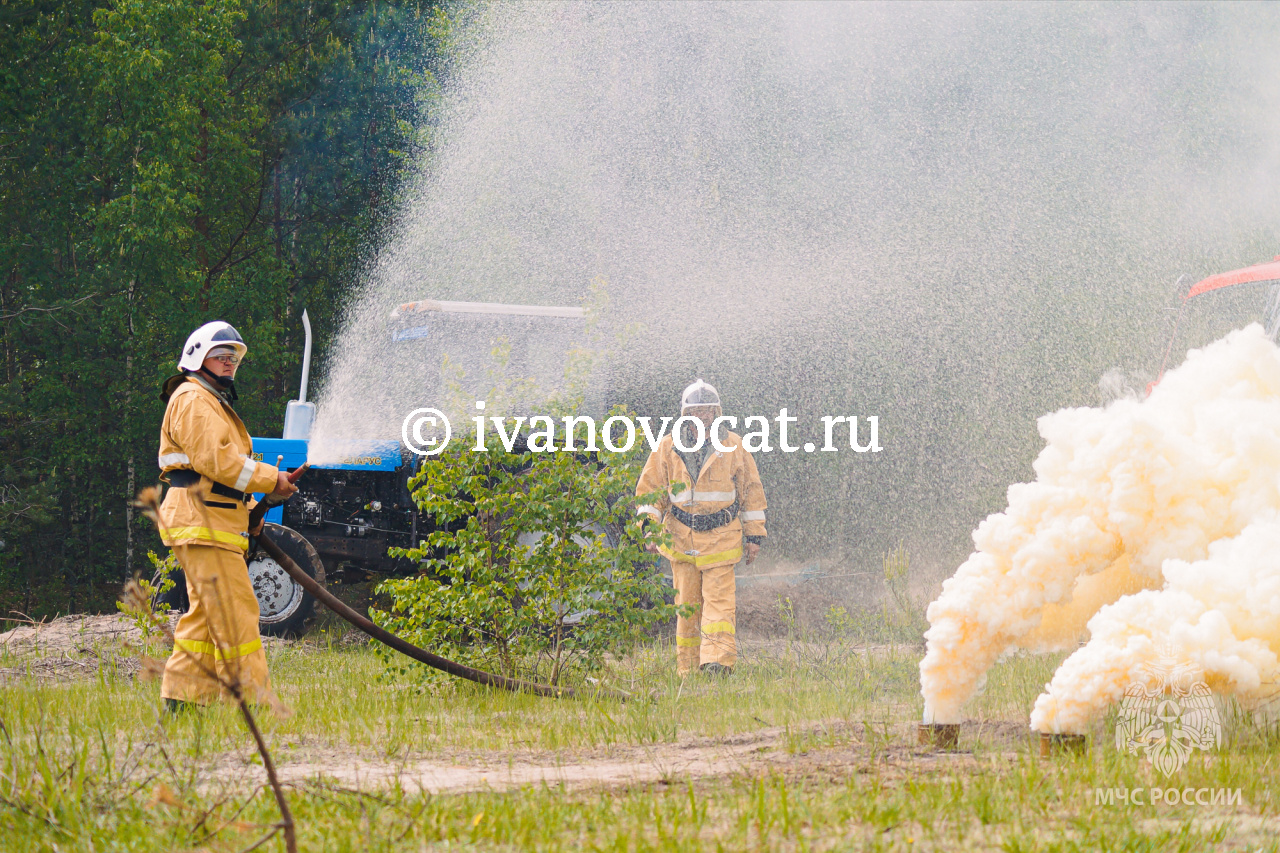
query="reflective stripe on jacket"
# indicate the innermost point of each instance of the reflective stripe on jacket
(202, 433)
(724, 478)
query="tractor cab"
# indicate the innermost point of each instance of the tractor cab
(470, 348)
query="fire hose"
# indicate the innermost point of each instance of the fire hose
(389, 639)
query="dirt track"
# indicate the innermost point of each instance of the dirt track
(77, 647)
(45, 650)
(695, 758)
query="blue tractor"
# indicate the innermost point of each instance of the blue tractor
(353, 507)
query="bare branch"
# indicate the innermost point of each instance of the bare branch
(32, 309)
(270, 835)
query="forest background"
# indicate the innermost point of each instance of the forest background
(164, 163)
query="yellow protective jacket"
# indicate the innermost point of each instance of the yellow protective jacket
(724, 478)
(202, 433)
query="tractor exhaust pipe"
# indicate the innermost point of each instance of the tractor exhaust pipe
(299, 414)
(306, 356)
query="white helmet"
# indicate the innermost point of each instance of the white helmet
(699, 394)
(205, 339)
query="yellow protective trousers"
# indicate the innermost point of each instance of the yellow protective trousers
(219, 634)
(706, 635)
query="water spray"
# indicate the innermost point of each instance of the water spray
(927, 238)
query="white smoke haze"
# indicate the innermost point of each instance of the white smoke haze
(1153, 524)
(951, 216)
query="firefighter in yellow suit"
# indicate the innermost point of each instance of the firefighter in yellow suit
(206, 457)
(711, 502)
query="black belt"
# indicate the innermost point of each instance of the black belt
(185, 478)
(710, 521)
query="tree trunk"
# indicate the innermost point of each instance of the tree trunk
(131, 483)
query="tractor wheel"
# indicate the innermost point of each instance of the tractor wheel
(284, 607)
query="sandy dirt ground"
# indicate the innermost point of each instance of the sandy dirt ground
(674, 763)
(79, 647)
(70, 634)
(71, 647)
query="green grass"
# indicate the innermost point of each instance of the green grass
(92, 765)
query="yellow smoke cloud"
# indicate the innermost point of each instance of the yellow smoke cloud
(1147, 526)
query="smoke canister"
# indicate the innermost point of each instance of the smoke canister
(1052, 742)
(941, 735)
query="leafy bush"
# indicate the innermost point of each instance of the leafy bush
(160, 583)
(537, 567)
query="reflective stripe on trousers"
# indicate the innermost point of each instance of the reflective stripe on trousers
(707, 634)
(217, 639)
(202, 648)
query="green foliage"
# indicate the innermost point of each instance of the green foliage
(538, 566)
(161, 582)
(832, 765)
(140, 619)
(164, 163)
